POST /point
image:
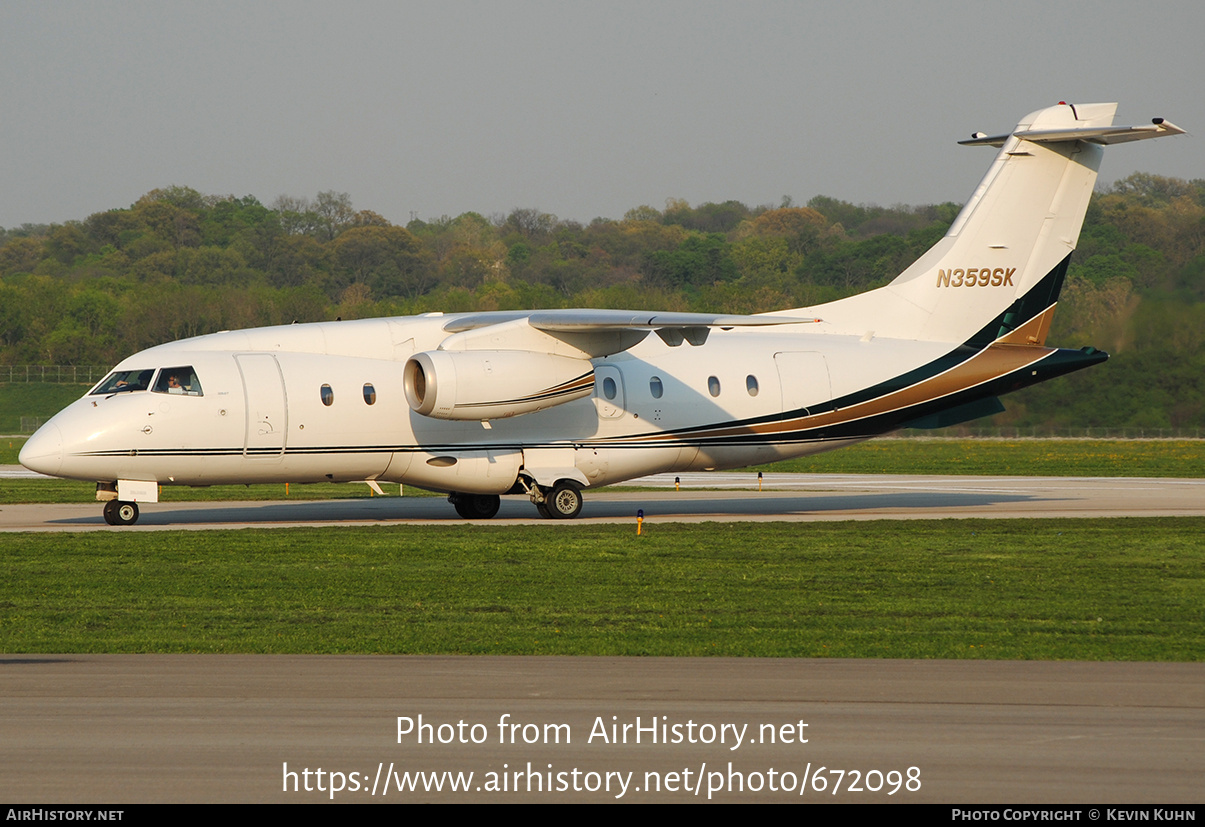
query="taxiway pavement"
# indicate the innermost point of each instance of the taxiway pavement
(704, 497)
(204, 728)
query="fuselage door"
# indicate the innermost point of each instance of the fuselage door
(267, 409)
(608, 391)
(803, 377)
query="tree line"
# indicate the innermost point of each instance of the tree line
(178, 263)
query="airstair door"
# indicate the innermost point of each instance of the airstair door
(267, 407)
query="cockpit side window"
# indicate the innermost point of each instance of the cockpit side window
(120, 381)
(182, 380)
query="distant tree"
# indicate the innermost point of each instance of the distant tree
(530, 223)
(185, 198)
(1095, 313)
(334, 212)
(642, 213)
(1155, 190)
(368, 218)
(390, 260)
(858, 264)
(20, 255)
(296, 215)
(68, 241)
(699, 260)
(159, 217)
(708, 217)
(230, 216)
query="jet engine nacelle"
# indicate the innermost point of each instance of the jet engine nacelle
(492, 384)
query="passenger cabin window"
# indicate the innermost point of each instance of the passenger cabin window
(655, 387)
(609, 388)
(120, 381)
(328, 395)
(370, 394)
(713, 386)
(181, 380)
(751, 384)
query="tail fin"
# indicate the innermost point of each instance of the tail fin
(998, 270)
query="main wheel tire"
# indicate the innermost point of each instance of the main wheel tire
(110, 512)
(125, 513)
(484, 506)
(478, 506)
(565, 503)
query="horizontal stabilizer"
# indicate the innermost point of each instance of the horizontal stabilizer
(1092, 134)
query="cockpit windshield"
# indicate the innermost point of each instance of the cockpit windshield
(178, 380)
(124, 380)
(181, 380)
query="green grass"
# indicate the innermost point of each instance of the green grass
(1113, 589)
(1022, 457)
(9, 448)
(44, 399)
(68, 491)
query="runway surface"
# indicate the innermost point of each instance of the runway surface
(198, 728)
(796, 497)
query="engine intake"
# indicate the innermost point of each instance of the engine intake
(492, 384)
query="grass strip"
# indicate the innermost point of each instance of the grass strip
(68, 491)
(1109, 589)
(1000, 457)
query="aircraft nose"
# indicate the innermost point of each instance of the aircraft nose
(43, 452)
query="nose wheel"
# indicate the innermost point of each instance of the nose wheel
(120, 513)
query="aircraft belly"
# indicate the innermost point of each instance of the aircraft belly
(484, 471)
(603, 466)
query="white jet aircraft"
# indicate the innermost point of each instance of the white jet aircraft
(546, 403)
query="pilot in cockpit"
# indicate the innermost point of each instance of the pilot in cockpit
(181, 380)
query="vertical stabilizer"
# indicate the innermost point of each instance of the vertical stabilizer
(1001, 264)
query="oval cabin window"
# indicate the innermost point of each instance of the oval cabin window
(328, 395)
(713, 386)
(655, 387)
(370, 394)
(751, 384)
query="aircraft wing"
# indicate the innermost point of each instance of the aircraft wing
(592, 333)
(588, 320)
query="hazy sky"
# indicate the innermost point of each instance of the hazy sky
(581, 109)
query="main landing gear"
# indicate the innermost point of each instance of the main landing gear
(120, 513)
(562, 501)
(476, 506)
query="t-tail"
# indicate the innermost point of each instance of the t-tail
(996, 274)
